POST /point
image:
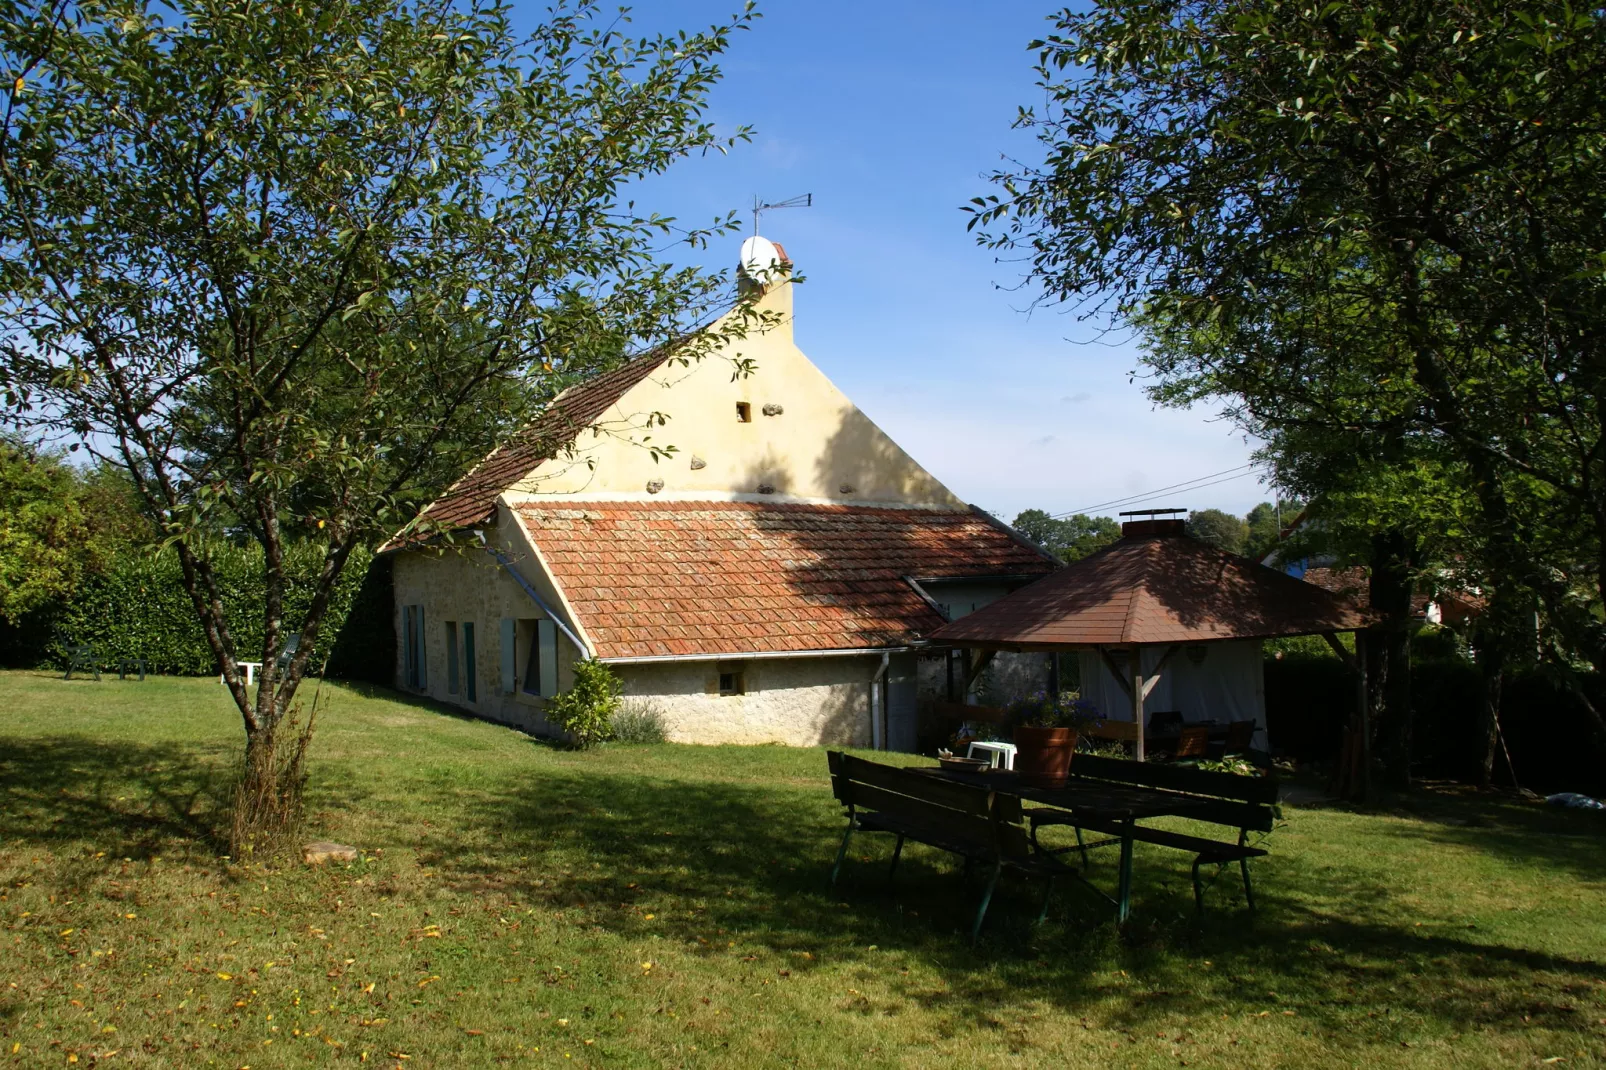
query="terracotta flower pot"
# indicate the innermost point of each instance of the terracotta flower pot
(1043, 755)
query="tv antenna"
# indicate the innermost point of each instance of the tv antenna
(804, 201)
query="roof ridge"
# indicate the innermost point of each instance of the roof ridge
(1043, 552)
(471, 499)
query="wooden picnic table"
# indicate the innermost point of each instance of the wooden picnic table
(1102, 803)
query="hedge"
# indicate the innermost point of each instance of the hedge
(138, 608)
(1309, 699)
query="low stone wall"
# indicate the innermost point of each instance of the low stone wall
(802, 702)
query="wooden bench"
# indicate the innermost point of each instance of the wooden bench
(983, 827)
(1248, 804)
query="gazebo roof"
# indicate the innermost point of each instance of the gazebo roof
(1155, 585)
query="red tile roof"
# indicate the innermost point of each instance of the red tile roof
(713, 578)
(1155, 589)
(1355, 581)
(472, 499)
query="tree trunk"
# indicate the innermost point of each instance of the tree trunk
(1491, 664)
(1391, 588)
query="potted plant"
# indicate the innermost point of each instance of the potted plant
(1046, 730)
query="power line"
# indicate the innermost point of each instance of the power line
(1186, 485)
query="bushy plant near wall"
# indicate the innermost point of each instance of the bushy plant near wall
(138, 608)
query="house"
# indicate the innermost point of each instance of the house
(1442, 600)
(770, 580)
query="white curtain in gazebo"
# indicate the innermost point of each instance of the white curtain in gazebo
(1222, 681)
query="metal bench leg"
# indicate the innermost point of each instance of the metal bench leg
(897, 853)
(986, 901)
(1123, 906)
(1243, 866)
(1080, 846)
(1048, 894)
(842, 852)
(1198, 889)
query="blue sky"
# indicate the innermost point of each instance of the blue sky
(889, 113)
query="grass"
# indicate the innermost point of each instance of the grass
(666, 906)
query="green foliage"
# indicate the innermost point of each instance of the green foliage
(639, 720)
(1265, 529)
(1044, 710)
(1374, 231)
(137, 607)
(1306, 647)
(587, 709)
(58, 525)
(1231, 763)
(1070, 538)
(44, 535)
(299, 267)
(1221, 530)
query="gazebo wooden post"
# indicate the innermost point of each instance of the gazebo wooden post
(1139, 693)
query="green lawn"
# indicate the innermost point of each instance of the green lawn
(667, 906)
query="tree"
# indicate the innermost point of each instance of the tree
(1416, 188)
(295, 267)
(1265, 522)
(1070, 538)
(1221, 530)
(44, 533)
(58, 526)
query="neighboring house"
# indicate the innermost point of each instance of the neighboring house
(769, 581)
(1441, 603)
(1446, 606)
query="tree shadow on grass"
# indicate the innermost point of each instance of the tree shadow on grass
(1573, 841)
(717, 861)
(132, 799)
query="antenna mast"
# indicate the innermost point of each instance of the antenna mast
(804, 201)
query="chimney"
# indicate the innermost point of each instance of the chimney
(765, 269)
(1150, 522)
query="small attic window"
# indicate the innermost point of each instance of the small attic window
(744, 412)
(732, 683)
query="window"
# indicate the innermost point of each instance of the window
(508, 648)
(541, 663)
(451, 657)
(744, 412)
(413, 646)
(471, 689)
(731, 683)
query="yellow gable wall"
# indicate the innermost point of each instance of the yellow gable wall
(820, 446)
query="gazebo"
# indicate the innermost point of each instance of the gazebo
(1159, 604)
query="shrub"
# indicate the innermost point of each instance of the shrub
(640, 720)
(587, 709)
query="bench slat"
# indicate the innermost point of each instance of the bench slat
(961, 797)
(1166, 838)
(966, 827)
(1194, 781)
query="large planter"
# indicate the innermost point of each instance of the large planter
(1043, 755)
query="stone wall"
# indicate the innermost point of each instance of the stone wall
(467, 584)
(796, 701)
(801, 702)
